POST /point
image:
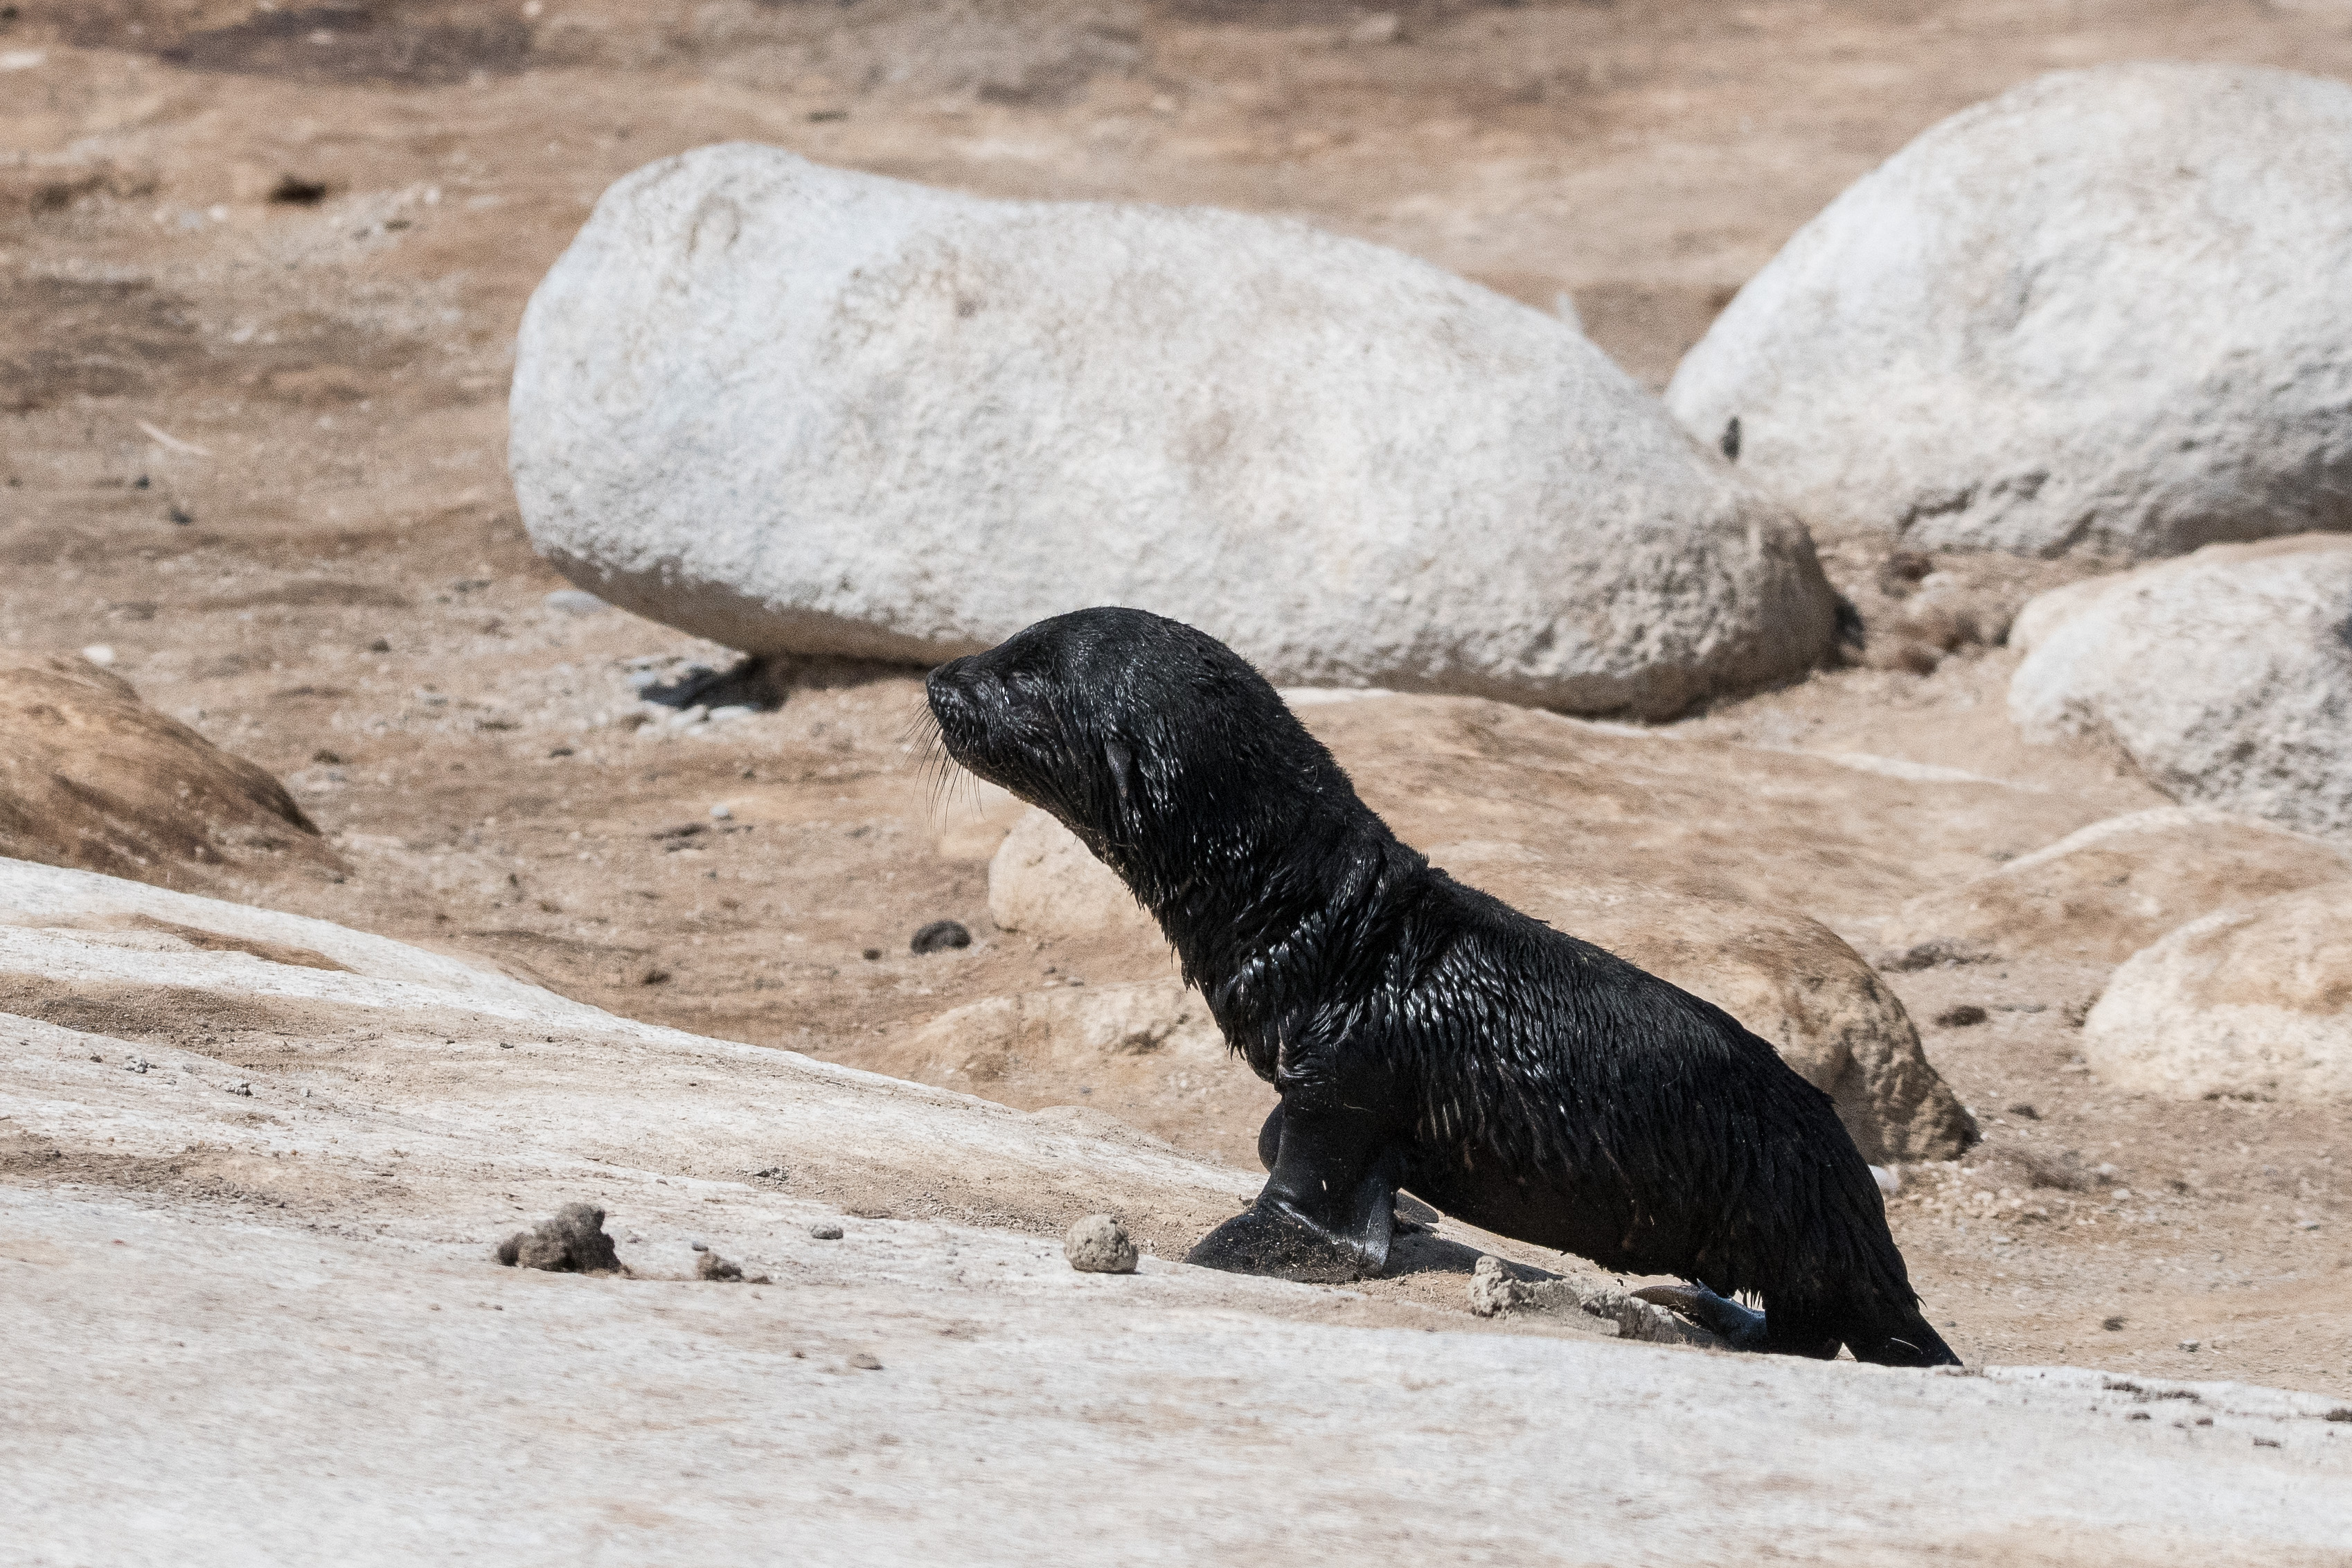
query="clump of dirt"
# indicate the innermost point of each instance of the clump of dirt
(709, 1265)
(574, 1242)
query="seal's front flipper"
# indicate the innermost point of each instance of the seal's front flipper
(1739, 1327)
(1272, 1240)
(1328, 1210)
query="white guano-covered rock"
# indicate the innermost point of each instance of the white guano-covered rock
(2226, 677)
(799, 409)
(2111, 308)
(2254, 1002)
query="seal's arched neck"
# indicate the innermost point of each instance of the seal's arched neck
(1271, 878)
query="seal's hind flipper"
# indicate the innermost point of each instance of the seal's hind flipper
(1741, 1327)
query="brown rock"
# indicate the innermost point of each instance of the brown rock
(93, 778)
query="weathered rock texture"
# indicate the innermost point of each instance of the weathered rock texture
(2253, 1001)
(179, 1262)
(2111, 308)
(798, 409)
(91, 776)
(1495, 1292)
(2226, 677)
(2104, 892)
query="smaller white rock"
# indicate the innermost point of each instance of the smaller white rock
(574, 602)
(1889, 1182)
(721, 811)
(99, 654)
(1098, 1244)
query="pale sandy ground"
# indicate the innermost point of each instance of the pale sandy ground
(253, 1319)
(350, 601)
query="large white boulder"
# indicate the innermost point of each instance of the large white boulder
(2226, 677)
(2254, 1002)
(2111, 308)
(794, 408)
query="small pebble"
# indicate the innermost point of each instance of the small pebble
(2189, 1345)
(864, 1361)
(99, 654)
(823, 1232)
(1100, 1244)
(136, 1064)
(721, 813)
(940, 935)
(699, 1246)
(2112, 1324)
(1960, 1017)
(872, 953)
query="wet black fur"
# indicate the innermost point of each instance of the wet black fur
(1422, 1033)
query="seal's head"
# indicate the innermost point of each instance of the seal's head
(1153, 742)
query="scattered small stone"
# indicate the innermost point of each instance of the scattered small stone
(2268, 1443)
(2112, 1324)
(574, 602)
(871, 954)
(1965, 1015)
(241, 1086)
(771, 1174)
(699, 1246)
(655, 977)
(99, 654)
(1940, 954)
(721, 811)
(378, 646)
(824, 1231)
(293, 190)
(331, 759)
(726, 1271)
(2027, 1111)
(869, 1213)
(181, 516)
(136, 1064)
(2306, 1225)
(940, 935)
(2189, 1345)
(1100, 1244)
(864, 1362)
(574, 1242)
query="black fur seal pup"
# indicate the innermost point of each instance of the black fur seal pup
(1424, 1035)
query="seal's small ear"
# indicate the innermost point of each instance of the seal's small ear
(1122, 771)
